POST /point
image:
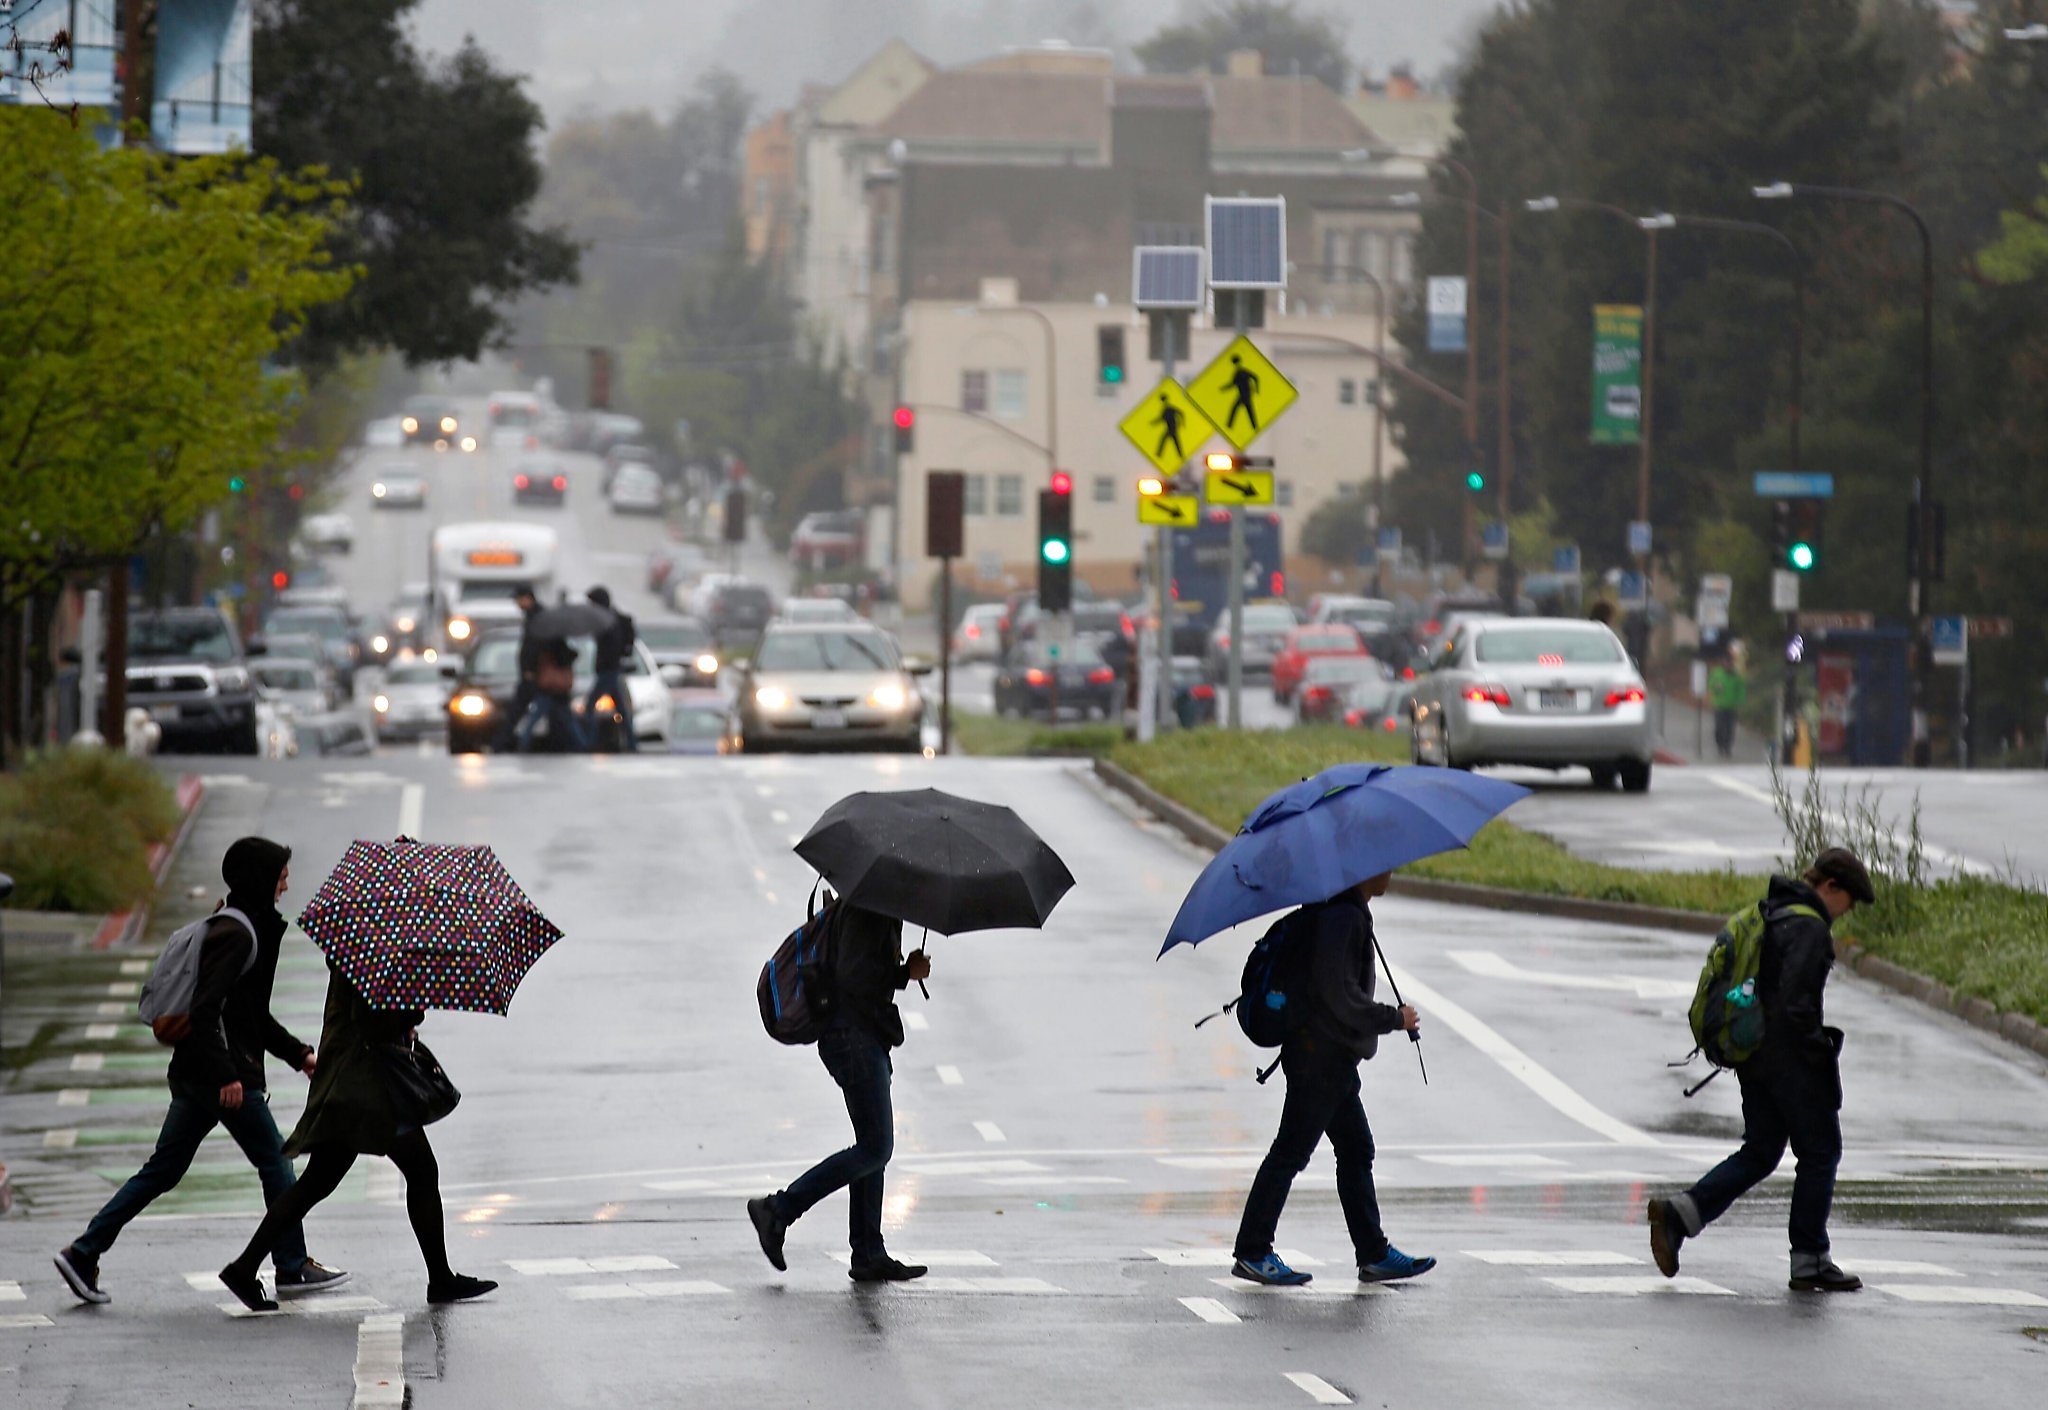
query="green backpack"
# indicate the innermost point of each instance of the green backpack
(1727, 1012)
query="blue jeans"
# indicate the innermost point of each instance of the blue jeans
(565, 732)
(613, 684)
(193, 1114)
(1322, 1099)
(1787, 1098)
(860, 1064)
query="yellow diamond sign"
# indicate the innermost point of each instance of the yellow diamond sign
(1167, 427)
(1242, 392)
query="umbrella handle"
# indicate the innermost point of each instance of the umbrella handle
(1414, 1036)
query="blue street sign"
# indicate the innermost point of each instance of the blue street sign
(1368, 556)
(1951, 640)
(1779, 484)
(1565, 560)
(1632, 590)
(1493, 540)
(1390, 540)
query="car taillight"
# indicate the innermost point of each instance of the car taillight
(1390, 724)
(1488, 695)
(519, 482)
(1101, 675)
(1627, 695)
(1034, 676)
(972, 631)
(1124, 625)
(1355, 719)
(1223, 642)
(1315, 692)
(1407, 673)
(1204, 692)
(561, 482)
(1432, 627)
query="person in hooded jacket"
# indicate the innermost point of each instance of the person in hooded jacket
(216, 1078)
(611, 649)
(1330, 955)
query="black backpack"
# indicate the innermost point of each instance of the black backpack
(1273, 999)
(795, 988)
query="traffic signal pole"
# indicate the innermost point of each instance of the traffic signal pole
(1236, 597)
(1163, 691)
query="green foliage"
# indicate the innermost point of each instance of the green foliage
(76, 826)
(1289, 40)
(990, 734)
(1224, 774)
(444, 165)
(140, 299)
(1338, 528)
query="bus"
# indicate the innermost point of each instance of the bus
(473, 569)
(1201, 564)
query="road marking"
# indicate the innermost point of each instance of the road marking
(917, 1165)
(11, 1292)
(563, 1267)
(382, 1183)
(1051, 1182)
(109, 1009)
(1210, 1310)
(990, 1132)
(916, 1022)
(1841, 824)
(412, 807)
(1212, 1162)
(73, 1096)
(1635, 1286)
(88, 1062)
(380, 1363)
(26, 1319)
(135, 966)
(935, 1258)
(100, 1032)
(1518, 1064)
(123, 988)
(308, 1307)
(1504, 1158)
(1223, 1257)
(1549, 1257)
(1333, 1289)
(1318, 1389)
(1975, 1297)
(949, 1075)
(61, 1140)
(777, 815)
(602, 1292)
(1489, 965)
(764, 790)
(983, 1285)
(1900, 1268)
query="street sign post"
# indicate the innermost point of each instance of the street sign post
(1166, 427)
(1446, 313)
(1951, 641)
(1638, 538)
(1635, 591)
(1493, 541)
(1172, 511)
(1784, 590)
(1241, 392)
(1238, 487)
(1778, 484)
(1565, 560)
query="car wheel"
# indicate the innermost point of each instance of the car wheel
(1443, 740)
(1603, 778)
(1635, 776)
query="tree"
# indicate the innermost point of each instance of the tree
(1287, 39)
(444, 165)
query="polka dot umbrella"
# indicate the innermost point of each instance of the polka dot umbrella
(418, 925)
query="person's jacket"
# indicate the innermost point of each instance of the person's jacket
(1798, 952)
(348, 1104)
(614, 643)
(529, 644)
(203, 1058)
(1342, 977)
(232, 1026)
(868, 969)
(252, 1030)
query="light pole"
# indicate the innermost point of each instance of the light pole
(1919, 597)
(1639, 623)
(1379, 402)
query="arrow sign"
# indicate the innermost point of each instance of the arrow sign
(1171, 510)
(1238, 486)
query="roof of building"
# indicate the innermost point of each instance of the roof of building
(1423, 124)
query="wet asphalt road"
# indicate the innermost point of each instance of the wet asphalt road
(1071, 1152)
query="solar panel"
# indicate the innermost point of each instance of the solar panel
(1247, 242)
(1166, 276)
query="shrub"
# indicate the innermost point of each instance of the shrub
(76, 826)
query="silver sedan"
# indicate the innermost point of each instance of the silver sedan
(1546, 691)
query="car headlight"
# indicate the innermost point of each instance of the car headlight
(888, 696)
(405, 624)
(707, 665)
(470, 705)
(231, 678)
(771, 697)
(410, 424)
(448, 425)
(469, 442)
(458, 628)
(377, 490)
(380, 643)
(380, 703)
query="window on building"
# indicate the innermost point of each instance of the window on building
(1010, 495)
(1369, 392)
(1105, 490)
(973, 389)
(1283, 494)
(977, 494)
(1371, 253)
(1336, 253)
(1403, 270)
(1347, 392)
(1006, 388)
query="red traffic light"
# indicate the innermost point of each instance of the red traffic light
(1062, 482)
(296, 491)
(905, 418)
(280, 580)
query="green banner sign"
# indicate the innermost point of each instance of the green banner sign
(1617, 374)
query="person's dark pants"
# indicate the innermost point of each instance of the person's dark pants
(506, 735)
(613, 684)
(860, 1064)
(193, 1114)
(565, 734)
(1790, 1099)
(1724, 732)
(1322, 1099)
(327, 1165)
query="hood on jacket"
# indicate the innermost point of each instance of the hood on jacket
(1793, 891)
(251, 869)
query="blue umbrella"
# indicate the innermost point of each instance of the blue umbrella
(1311, 840)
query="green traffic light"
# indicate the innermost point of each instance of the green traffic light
(1475, 481)
(1054, 550)
(1112, 373)
(1802, 557)
(237, 484)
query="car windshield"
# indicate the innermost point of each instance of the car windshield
(203, 637)
(413, 673)
(514, 415)
(306, 621)
(1108, 618)
(1073, 653)
(488, 590)
(1549, 646)
(826, 651)
(740, 597)
(1365, 612)
(823, 609)
(673, 636)
(280, 675)
(696, 722)
(636, 474)
(1266, 617)
(1328, 639)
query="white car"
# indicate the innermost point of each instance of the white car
(979, 637)
(839, 686)
(816, 610)
(398, 486)
(328, 531)
(635, 489)
(299, 688)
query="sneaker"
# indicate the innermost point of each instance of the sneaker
(1270, 1271)
(1667, 1232)
(247, 1287)
(82, 1275)
(313, 1276)
(769, 1227)
(460, 1287)
(1393, 1266)
(1818, 1273)
(887, 1270)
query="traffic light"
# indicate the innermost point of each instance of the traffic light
(1056, 548)
(906, 430)
(280, 580)
(237, 483)
(1062, 482)
(1781, 530)
(1475, 480)
(1803, 548)
(1109, 355)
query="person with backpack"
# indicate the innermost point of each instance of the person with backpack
(864, 972)
(613, 647)
(1326, 953)
(1790, 1072)
(554, 681)
(224, 1026)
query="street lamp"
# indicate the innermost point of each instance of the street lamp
(1919, 597)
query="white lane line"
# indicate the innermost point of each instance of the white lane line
(1051, 1182)
(135, 966)
(123, 988)
(380, 1363)
(1636, 1286)
(934, 1258)
(1900, 1268)
(1210, 1310)
(1223, 1257)
(11, 1292)
(100, 1032)
(681, 1287)
(950, 1166)
(26, 1319)
(764, 790)
(1489, 965)
(777, 815)
(1518, 1064)
(88, 1062)
(412, 807)
(916, 1022)
(1211, 1162)
(1549, 1257)
(984, 1285)
(602, 1292)
(1975, 1297)
(1841, 825)
(109, 1010)
(949, 1075)
(1505, 1158)
(73, 1096)
(990, 1132)
(426, 748)
(1318, 1389)
(569, 1267)
(60, 1140)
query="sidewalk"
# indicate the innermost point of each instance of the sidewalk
(1687, 734)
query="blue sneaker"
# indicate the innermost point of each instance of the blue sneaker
(1270, 1271)
(1395, 1266)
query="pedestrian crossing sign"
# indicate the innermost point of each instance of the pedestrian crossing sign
(1173, 510)
(1242, 392)
(1167, 427)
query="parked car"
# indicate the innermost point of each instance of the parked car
(328, 533)
(1266, 625)
(1305, 644)
(187, 668)
(1077, 674)
(398, 487)
(829, 538)
(539, 484)
(299, 686)
(836, 686)
(680, 644)
(1324, 680)
(412, 699)
(1547, 691)
(636, 489)
(979, 635)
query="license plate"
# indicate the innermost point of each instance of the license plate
(829, 719)
(163, 714)
(1558, 699)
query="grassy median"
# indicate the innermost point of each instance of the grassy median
(1000, 735)
(76, 826)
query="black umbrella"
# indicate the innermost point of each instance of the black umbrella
(932, 859)
(573, 619)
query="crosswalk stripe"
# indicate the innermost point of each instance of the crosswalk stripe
(26, 1319)
(935, 1258)
(1319, 1390)
(1223, 1257)
(1210, 1310)
(1638, 1285)
(1331, 1289)
(1549, 1257)
(1975, 1297)
(983, 1285)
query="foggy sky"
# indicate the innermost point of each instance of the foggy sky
(607, 54)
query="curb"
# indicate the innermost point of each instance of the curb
(2014, 1028)
(127, 927)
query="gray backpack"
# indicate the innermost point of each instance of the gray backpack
(166, 1002)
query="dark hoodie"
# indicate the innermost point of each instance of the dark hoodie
(1342, 976)
(1792, 972)
(232, 1026)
